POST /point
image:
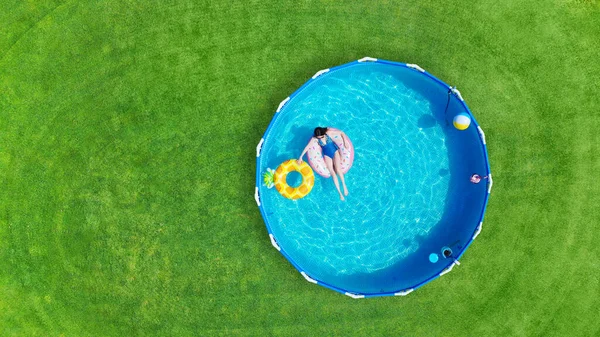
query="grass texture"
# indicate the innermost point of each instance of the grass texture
(127, 165)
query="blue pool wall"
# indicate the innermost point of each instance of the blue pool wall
(456, 104)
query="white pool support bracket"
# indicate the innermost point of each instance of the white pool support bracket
(274, 243)
(490, 184)
(416, 67)
(282, 104)
(367, 59)
(259, 147)
(404, 293)
(481, 134)
(308, 278)
(478, 230)
(320, 72)
(256, 196)
(457, 93)
(354, 296)
(449, 269)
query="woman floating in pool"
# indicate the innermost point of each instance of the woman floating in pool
(323, 140)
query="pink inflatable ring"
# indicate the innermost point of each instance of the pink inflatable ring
(315, 155)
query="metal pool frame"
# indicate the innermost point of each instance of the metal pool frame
(453, 262)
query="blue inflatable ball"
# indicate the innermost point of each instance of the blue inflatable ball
(462, 121)
(433, 258)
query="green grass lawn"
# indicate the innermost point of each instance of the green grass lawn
(127, 165)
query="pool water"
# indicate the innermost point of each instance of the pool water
(401, 185)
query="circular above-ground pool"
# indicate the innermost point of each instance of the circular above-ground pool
(412, 208)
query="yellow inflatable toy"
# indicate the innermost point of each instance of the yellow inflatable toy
(308, 179)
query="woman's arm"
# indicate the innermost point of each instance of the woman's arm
(343, 135)
(305, 150)
(333, 134)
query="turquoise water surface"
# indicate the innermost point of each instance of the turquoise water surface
(399, 185)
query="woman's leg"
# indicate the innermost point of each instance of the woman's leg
(329, 164)
(338, 164)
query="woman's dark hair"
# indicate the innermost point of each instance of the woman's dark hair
(319, 131)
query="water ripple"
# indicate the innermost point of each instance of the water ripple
(396, 191)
